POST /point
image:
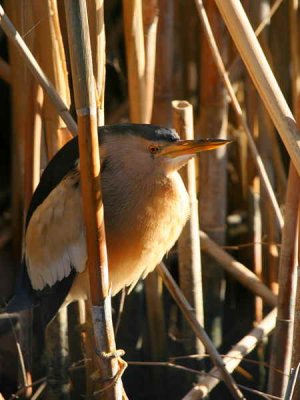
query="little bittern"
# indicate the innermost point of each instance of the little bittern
(145, 208)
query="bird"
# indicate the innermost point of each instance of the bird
(146, 206)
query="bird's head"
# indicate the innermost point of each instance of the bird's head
(135, 148)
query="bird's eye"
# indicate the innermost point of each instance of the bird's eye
(153, 149)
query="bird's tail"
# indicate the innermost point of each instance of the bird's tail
(23, 298)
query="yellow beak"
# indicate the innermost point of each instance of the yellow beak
(190, 147)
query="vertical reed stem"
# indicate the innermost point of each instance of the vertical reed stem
(150, 21)
(135, 52)
(212, 188)
(85, 100)
(282, 341)
(190, 271)
(163, 86)
(97, 36)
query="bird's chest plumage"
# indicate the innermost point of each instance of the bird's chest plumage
(152, 229)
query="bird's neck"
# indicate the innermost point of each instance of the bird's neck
(141, 203)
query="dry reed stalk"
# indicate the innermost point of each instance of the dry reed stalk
(253, 105)
(163, 85)
(156, 319)
(234, 357)
(257, 248)
(53, 64)
(20, 100)
(76, 320)
(239, 113)
(266, 20)
(270, 228)
(212, 188)
(262, 76)
(36, 70)
(85, 101)
(150, 22)
(241, 273)
(269, 150)
(190, 47)
(21, 84)
(235, 67)
(190, 270)
(293, 14)
(135, 53)
(232, 72)
(253, 185)
(141, 87)
(32, 148)
(188, 313)
(273, 256)
(5, 71)
(97, 36)
(294, 49)
(283, 335)
(277, 162)
(296, 337)
(58, 382)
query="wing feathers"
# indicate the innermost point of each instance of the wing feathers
(55, 239)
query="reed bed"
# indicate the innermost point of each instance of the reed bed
(222, 310)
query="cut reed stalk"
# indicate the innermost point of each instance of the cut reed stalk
(188, 313)
(239, 113)
(234, 357)
(85, 101)
(190, 270)
(241, 273)
(262, 76)
(32, 64)
(282, 340)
